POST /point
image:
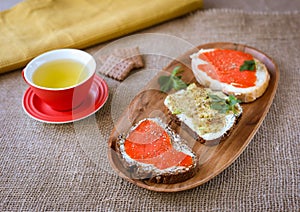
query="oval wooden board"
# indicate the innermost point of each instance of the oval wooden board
(213, 159)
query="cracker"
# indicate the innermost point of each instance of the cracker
(132, 53)
(116, 67)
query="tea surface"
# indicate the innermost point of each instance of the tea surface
(60, 74)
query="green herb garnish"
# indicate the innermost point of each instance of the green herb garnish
(173, 81)
(224, 105)
(248, 65)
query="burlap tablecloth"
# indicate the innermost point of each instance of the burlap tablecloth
(65, 167)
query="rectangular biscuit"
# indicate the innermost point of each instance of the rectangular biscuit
(116, 68)
(132, 53)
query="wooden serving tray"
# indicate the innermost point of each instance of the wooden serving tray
(213, 159)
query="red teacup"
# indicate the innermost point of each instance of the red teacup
(62, 98)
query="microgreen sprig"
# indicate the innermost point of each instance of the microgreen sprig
(248, 65)
(173, 81)
(224, 105)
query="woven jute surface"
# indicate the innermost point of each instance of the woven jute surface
(65, 166)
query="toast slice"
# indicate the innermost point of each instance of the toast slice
(152, 151)
(209, 115)
(219, 69)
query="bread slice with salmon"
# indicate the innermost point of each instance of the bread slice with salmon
(153, 152)
(232, 72)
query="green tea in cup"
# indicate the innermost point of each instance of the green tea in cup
(61, 78)
(61, 73)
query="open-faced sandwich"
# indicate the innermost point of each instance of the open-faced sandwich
(209, 115)
(232, 72)
(152, 151)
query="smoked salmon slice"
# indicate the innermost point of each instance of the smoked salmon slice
(224, 66)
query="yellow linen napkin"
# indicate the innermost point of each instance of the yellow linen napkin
(34, 26)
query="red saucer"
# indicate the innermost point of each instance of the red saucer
(40, 111)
